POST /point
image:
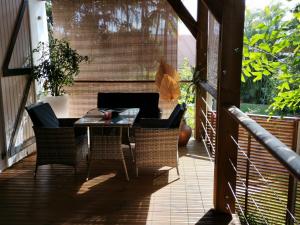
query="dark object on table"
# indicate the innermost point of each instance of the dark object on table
(57, 141)
(156, 141)
(114, 113)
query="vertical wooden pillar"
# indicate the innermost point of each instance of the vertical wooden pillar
(201, 64)
(229, 81)
(293, 183)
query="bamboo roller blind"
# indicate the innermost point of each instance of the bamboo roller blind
(124, 40)
(213, 51)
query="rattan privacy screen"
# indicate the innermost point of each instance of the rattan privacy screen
(213, 51)
(124, 40)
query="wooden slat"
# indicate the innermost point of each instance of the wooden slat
(57, 196)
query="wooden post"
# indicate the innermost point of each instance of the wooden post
(229, 81)
(201, 64)
(292, 188)
(247, 173)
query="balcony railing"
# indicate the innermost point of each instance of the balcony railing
(267, 170)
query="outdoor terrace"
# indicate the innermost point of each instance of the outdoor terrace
(57, 196)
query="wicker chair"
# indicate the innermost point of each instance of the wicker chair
(106, 144)
(156, 141)
(57, 141)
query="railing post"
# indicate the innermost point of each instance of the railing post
(229, 81)
(292, 188)
(247, 173)
(201, 64)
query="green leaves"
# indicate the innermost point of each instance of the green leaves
(271, 57)
(255, 38)
(57, 65)
(265, 47)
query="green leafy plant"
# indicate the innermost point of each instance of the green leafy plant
(271, 62)
(58, 64)
(188, 73)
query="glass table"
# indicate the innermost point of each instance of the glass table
(105, 133)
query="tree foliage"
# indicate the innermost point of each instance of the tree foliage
(272, 57)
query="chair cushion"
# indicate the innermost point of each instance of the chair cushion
(176, 116)
(146, 102)
(42, 115)
(172, 122)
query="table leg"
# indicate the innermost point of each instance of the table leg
(122, 156)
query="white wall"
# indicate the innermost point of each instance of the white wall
(39, 29)
(38, 22)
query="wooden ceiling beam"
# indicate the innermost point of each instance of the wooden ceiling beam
(185, 16)
(215, 7)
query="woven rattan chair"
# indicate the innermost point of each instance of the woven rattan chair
(156, 141)
(57, 141)
(106, 144)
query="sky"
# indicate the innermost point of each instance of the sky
(191, 5)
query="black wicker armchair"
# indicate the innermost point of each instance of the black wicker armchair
(57, 141)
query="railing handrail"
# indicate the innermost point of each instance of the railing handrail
(287, 157)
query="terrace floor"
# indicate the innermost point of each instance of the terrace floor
(56, 196)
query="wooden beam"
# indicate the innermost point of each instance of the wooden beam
(215, 7)
(209, 88)
(201, 65)
(229, 82)
(185, 16)
(17, 125)
(27, 143)
(5, 67)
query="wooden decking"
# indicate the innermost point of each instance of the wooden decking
(56, 196)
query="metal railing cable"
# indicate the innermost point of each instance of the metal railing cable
(282, 153)
(207, 105)
(238, 204)
(244, 154)
(208, 122)
(246, 188)
(208, 151)
(208, 138)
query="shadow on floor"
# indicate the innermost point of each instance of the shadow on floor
(212, 217)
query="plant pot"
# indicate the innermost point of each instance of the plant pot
(59, 104)
(185, 133)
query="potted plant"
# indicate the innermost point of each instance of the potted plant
(57, 65)
(188, 96)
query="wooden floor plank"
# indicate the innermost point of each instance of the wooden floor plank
(56, 196)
